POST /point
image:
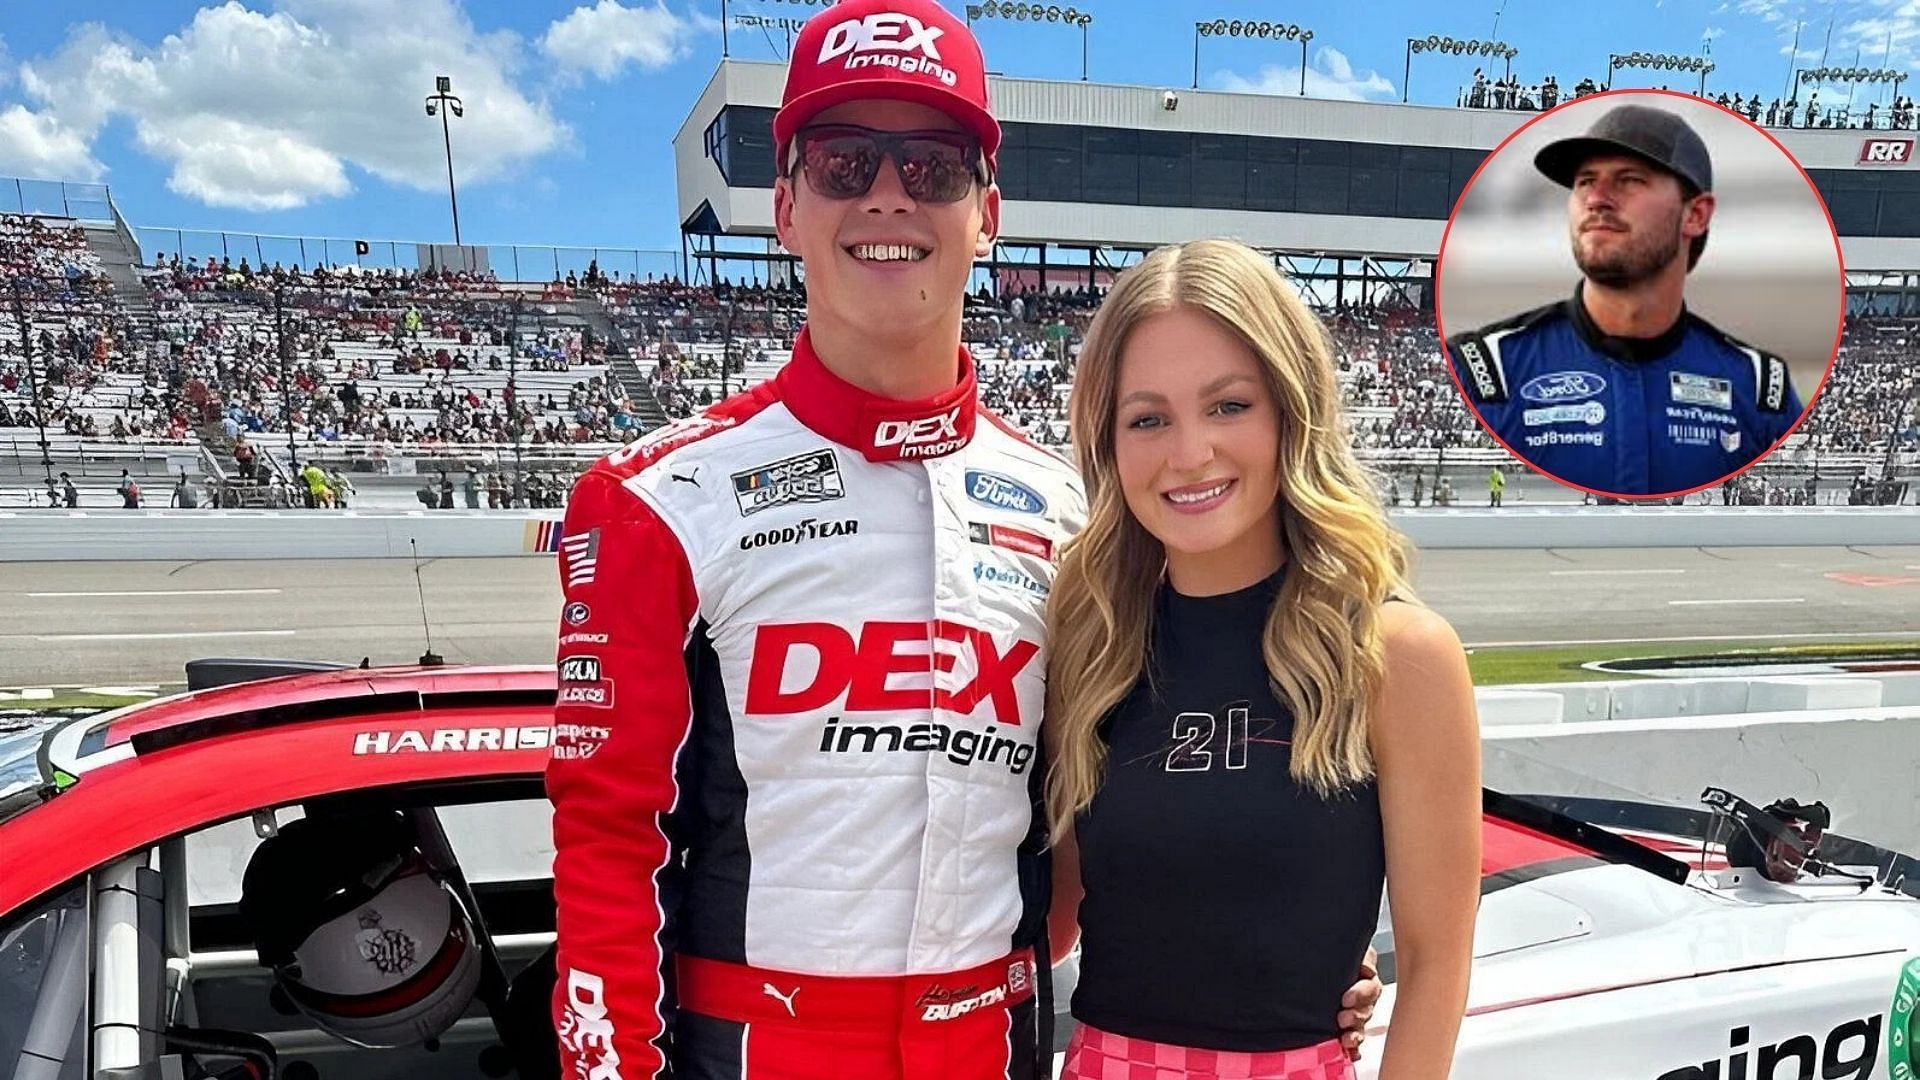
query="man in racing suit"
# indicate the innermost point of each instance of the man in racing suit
(802, 658)
(1621, 390)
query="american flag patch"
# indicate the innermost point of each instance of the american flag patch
(579, 553)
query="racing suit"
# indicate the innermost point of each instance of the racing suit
(1624, 416)
(795, 770)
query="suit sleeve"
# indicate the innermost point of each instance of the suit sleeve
(1789, 414)
(623, 714)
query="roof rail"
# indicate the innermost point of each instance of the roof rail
(209, 672)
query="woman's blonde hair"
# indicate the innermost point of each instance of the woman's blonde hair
(1323, 644)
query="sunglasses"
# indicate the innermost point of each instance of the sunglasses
(842, 160)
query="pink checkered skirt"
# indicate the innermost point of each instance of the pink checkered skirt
(1101, 1055)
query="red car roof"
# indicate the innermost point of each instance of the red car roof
(206, 757)
(240, 748)
(343, 685)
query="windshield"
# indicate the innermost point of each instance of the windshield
(19, 752)
(22, 734)
(1658, 803)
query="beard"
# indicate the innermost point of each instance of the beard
(1633, 257)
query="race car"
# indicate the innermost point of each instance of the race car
(310, 871)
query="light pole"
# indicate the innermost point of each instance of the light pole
(1053, 13)
(286, 374)
(771, 22)
(1237, 28)
(33, 377)
(1659, 62)
(513, 401)
(441, 103)
(790, 26)
(726, 348)
(1455, 47)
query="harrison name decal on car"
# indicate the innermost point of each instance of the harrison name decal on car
(452, 740)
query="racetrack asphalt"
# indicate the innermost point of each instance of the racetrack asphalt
(121, 623)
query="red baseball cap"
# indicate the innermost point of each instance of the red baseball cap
(907, 50)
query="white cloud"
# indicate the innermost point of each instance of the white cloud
(1768, 11)
(267, 111)
(1329, 75)
(250, 173)
(36, 146)
(1892, 37)
(605, 38)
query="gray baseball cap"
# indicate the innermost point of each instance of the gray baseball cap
(1654, 134)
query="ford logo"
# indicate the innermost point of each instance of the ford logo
(1560, 386)
(1003, 493)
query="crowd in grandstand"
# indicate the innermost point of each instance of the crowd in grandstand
(390, 357)
(1872, 398)
(1508, 93)
(78, 337)
(43, 256)
(1395, 383)
(389, 363)
(1023, 342)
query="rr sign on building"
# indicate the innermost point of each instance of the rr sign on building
(1886, 151)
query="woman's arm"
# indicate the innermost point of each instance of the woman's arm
(1063, 913)
(1426, 745)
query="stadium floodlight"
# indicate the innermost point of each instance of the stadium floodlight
(725, 46)
(444, 102)
(1660, 62)
(1272, 31)
(1858, 75)
(1453, 47)
(770, 22)
(1050, 13)
(1853, 76)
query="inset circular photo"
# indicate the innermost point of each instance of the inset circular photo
(1640, 293)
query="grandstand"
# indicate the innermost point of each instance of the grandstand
(140, 349)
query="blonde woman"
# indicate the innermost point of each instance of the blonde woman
(1251, 724)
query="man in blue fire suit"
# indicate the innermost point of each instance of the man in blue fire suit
(1622, 390)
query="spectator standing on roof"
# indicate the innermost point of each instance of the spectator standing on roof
(71, 493)
(1496, 486)
(470, 488)
(129, 491)
(446, 492)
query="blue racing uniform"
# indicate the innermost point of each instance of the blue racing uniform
(1626, 416)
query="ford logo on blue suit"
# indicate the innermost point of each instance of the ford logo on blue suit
(1558, 387)
(1003, 493)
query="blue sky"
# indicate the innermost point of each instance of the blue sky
(304, 116)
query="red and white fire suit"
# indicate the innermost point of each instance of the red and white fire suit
(796, 753)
